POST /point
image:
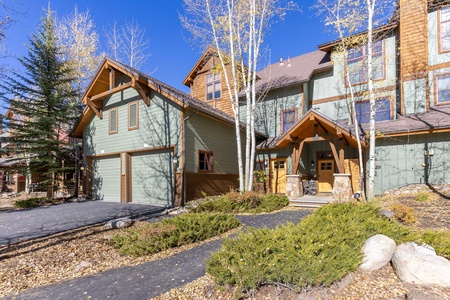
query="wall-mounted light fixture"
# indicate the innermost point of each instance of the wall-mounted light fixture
(428, 152)
(175, 160)
(312, 163)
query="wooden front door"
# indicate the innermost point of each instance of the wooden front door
(325, 178)
(278, 175)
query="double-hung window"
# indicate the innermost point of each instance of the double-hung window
(442, 89)
(288, 119)
(205, 161)
(357, 63)
(133, 115)
(444, 30)
(382, 111)
(113, 120)
(213, 89)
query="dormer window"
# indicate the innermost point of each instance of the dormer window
(213, 90)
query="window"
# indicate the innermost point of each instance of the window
(133, 115)
(444, 30)
(212, 86)
(205, 161)
(382, 108)
(443, 88)
(113, 121)
(357, 63)
(288, 119)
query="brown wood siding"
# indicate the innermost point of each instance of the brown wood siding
(210, 184)
(413, 38)
(178, 200)
(198, 88)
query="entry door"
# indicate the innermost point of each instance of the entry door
(326, 178)
(278, 175)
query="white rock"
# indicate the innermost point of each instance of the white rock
(83, 265)
(426, 249)
(119, 223)
(420, 268)
(378, 251)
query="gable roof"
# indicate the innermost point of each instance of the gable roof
(292, 71)
(312, 123)
(100, 85)
(210, 51)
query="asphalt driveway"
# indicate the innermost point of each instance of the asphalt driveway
(27, 224)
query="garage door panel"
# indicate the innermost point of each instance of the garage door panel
(106, 179)
(152, 178)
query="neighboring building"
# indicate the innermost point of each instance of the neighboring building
(147, 142)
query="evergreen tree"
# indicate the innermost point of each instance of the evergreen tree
(41, 108)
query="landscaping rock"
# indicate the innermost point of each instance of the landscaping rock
(119, 223)
(414, 266)
(378, 251)
(387, 213)
(417, 294)
(83, 265)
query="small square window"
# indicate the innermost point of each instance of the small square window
(382, 111)
(443, 89)
(113, 121)
(205, 161)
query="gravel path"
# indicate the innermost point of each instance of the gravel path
(153, 278)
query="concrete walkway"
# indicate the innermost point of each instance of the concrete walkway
(153, 278)
(20, 225)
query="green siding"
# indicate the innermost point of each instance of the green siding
(158, 125)
(153, 178)
(399, 161)
(106, 179)
(268, 112)
(203, 133)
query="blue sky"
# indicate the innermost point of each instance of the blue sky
(172, 55)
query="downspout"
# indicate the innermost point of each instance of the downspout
(184, 153)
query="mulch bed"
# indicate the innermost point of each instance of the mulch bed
(86, 251)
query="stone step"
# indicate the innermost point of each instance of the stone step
(307, 204)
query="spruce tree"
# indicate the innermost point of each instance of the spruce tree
(40, 98)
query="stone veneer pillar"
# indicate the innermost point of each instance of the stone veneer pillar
(294, 188)
(342, 188)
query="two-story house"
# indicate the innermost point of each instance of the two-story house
(146, 142)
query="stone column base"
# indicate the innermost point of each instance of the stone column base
(294, 188)
(342, 188)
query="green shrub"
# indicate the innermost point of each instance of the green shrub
(33, 202)
(422, 197)
(439, 240)
(321, 249)
(173, 232)
(246, 202)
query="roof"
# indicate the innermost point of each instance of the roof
(179, 97)
(294, 70)
(436, 120)
(210, 51)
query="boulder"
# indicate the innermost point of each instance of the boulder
(378, 251)
(417, 265)
(119, 223)
(417, 294)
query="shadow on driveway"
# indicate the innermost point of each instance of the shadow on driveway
(20, 225)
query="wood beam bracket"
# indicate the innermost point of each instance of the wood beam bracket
(142, 89)
(97, 110)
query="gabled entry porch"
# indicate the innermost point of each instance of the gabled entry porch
(323, 151)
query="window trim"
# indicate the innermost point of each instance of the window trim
(214, 82)
(436, 90)
(137, 115)
(439, 18)
(211, 153)
(281, 118)
(117, 120)
(391, 107)
(364, 59)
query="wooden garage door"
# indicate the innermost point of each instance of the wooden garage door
(106, 179)
(152, 178)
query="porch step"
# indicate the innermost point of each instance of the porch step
(308, 203)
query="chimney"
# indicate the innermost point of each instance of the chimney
(281, 61)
